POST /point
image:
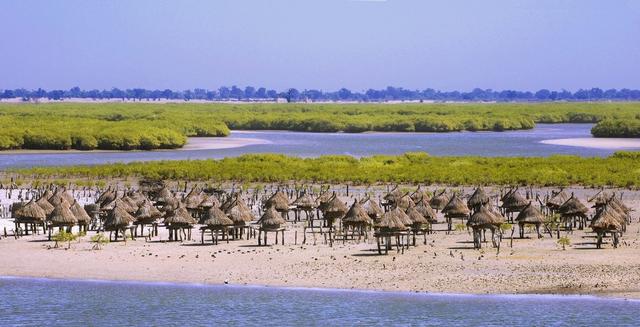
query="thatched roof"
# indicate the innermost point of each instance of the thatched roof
(131, 203)
(324, 198)
(62, 215)
(216, 218)
(601, 198)
(557, 199)
(372, 208)
(606, 219)
(193, 199)
(405, 202)
(138, 198)
(147, 213)
(118, 218)
(478, 198)
(304, 202)
(31, 212)
(391, 221)
(163, 195)
(170, 204)
(106, 197)
(514, 201)
(45, 205)
(210, 201)
(481, 218)
(439, 201)
(456, 208)
(530, 215)
(335, 206)
(426, 211)
(356, 216)
(78, 211)
(416, 217)
(279, 201)
(180, 216)
(573, 207)
(63, 193)
(271, 219)
(239, 212)
(420, 194)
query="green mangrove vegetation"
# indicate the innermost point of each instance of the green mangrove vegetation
(131, 126)
(621, 169)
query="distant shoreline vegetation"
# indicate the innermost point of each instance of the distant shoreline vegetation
(148, 126)
(618, 170)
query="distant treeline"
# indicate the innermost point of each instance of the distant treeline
(618, 170)
(250, 93)
(146, 126)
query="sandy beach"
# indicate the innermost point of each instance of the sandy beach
(446, 264)
(597, 143)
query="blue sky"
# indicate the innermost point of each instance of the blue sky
(324, 44)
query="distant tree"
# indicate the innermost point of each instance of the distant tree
(261, 93)
(543, 94)
(249, 92)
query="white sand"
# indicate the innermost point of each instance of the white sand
(597, 143)
(214, 143)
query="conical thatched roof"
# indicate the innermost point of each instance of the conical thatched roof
(405, 202)
(138, 198)
(106, 197)
(304, 202)
(193, 199)
(573, 207)
(606, 220)
(170, 204)
(390, 221)
(210, 201)
(439, 201)
(557, 199)
(131, 203)
(57, 198)
(163, 195)
(62, 215)
(271, 219)
(356, 216)
(216, 218)
(324, 198)
(61, 192)
(600, 198)
(420, 194)
(530, 215)
(45, 205)
(416, 217)
(456, 207)
(482, 218)
(180, 216)
(47, 194)
(78, 211)
(514, 201)
(239, 212)
(118, 218)
(147, 213)
(279, 201)
(478, 198)
(372, 208)
(426, 211)
(335, 206)
(31, 212)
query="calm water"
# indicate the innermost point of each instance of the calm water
(516, 143)
(38, 302)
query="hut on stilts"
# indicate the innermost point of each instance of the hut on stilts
(607, 220)
(147, 214)
(455, 209)
(82, 217)
(117, 221)
(270, 222)
(31, 215)
(179, 223)
(530, 215)
(61, 217)
(390, 226)
(356, 221)
(216, 222)
(573, 213)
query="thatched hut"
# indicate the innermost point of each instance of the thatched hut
(147, 214)
(420, 195)
(45, 205)
(304, 203)
(482, 219)
(390, 225)
(106, 197)
(119, 220)
(423, 207)
(605, 221)
(179, 223)
(392, 197)
(192, 202)
(405, 202)
(280, 202)
(439, 201)
(61, 217)
(573, 213)
(455, 209)
(209, 202)
(356, 220)
(31, 215)
(530, 215)
(514, 201)
(556, 200)
(333, 210)
(372, 208)
(215, 221)
(82, 217)
(271, 221)
(419, 224)
(241, 216)
(478, 198)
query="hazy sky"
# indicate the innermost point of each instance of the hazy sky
(325, 44)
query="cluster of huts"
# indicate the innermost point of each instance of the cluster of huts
(396, 219)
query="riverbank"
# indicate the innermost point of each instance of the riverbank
(447, 264)
(597, 143)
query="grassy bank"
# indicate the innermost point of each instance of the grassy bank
(617, 128)
(620, 170)
(129, 126)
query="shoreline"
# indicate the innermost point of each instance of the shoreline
(579, 296)
(597, 143)
(193, 144)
